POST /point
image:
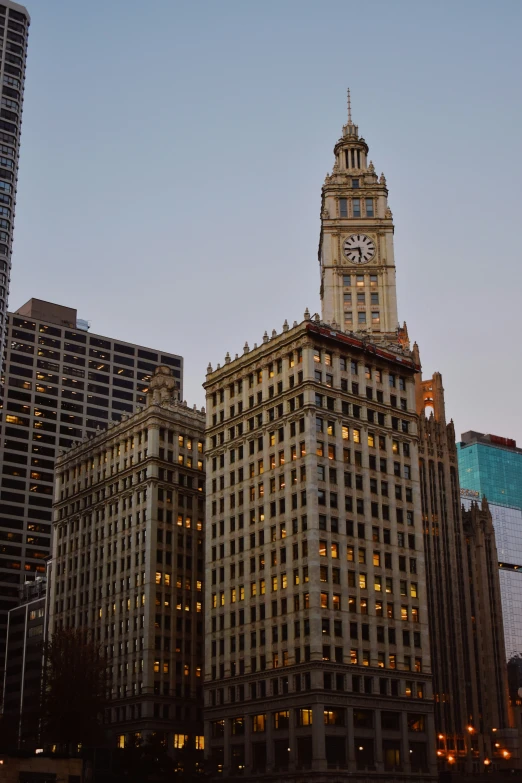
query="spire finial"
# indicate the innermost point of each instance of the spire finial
(349, 107)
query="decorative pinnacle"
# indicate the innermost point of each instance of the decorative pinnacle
(349, 107)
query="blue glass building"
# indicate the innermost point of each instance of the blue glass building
(491, 466)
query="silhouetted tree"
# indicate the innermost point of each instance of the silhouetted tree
(75, 689)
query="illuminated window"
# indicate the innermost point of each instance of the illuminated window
(200, 742)
(259, 723)
(305, 717)
(362, 581)
(356, 436)
(120, 741)
(323, 548)
(180, 740)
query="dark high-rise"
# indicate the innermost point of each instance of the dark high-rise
(14, 31)
(62, 383)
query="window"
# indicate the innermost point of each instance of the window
(361, 318)
(258, 723)
(281, 719)
(376, 317)
(369, 207)
(356, 207)
(346, 284)
(343, 207)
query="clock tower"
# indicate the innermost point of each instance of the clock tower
(356, 244)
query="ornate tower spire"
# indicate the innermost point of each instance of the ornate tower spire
(356, 242)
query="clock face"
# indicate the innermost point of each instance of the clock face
(359, 249)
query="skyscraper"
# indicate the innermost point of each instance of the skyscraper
(317, 644)
(464, 607)
(62, 383)
(128, 564)
(491, 466)
(333, 514)
(14, 32)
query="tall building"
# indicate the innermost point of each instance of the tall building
(491, 467)
(464, 607)
(317, 647)
(334, 669)
(26, 627)
(14, 32)
(128, 563)
(61, 384)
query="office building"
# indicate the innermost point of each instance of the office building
(128, 563)
(14, 32)
(464, 608)
(491, 466)
(26, 629)
(334, 534)
(61, 384)
(317, 642)
(317, 646)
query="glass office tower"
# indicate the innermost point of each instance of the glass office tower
(491, 466)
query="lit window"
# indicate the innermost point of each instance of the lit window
(376, 318)
(200, 742)
(180, 740)
(258, 723)
(305, 717)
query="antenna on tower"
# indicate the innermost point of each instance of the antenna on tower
(349, 107)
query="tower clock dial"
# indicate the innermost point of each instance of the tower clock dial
(359, 249)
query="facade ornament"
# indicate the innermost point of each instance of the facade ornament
(246, 349)
(265, 337)
(325, 213)
(274, 333)
(307, 314)
(227, 358)
(285, 326)
(382, 179)
(388, 214)
(294, 324)
(371, 168)
(209, 368)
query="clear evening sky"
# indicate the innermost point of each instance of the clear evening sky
(173, 154)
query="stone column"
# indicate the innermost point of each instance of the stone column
(378, 742)
(430, 734)
(226, 747)
(248, 744)
(269, 742)
(318, 742)
(405, 745)
(350, 735)
(292, 741)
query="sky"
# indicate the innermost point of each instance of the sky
(173, 153)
